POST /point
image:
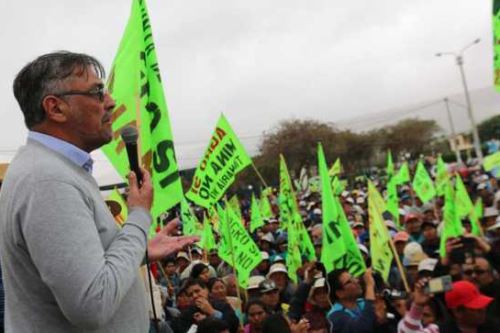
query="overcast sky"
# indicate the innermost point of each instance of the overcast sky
(261, 61)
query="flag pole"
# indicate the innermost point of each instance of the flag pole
(399, 265)
(259, 175)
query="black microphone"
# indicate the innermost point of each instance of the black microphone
(129, 136)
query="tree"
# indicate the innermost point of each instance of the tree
(489, 129)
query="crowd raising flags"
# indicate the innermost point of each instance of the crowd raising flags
(136, 85)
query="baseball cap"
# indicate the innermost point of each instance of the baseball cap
(427, 264)
(182, 254)
(264, 255)
(254, 281)
(466, 294)
(276, 268)
(266, 286)
(401, 236)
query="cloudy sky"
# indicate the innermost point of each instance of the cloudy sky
(263, 61)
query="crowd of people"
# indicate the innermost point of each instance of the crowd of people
(200, 289)
(67, 267)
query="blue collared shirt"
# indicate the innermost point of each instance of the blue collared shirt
(72, 152)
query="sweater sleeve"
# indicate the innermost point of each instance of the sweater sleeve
(412, 322)
(61, 236)
(343, 323)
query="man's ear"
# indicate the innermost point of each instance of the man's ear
(55, 109)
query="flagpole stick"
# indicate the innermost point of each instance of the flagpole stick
(228, 232)
(399, 265)
(259, 175)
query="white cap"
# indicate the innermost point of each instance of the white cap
(345, 194)
(496, 225)
(363, 249)
(268, 237)
(254, 281)
(317, 211)
(390, 224)
(490, 212)
(264, 255)
(182, 254)
(427, 264)
(360, 200)
(318, 283)
(413, 254)
(276, 268)
(350, 200)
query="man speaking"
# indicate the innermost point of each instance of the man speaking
(66, 265)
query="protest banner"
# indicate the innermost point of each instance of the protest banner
(224, 157)
(136, 86)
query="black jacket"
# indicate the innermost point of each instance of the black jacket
(185, 320)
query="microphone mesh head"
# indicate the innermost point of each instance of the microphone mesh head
(129, 134)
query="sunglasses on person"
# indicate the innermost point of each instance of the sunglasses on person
(477, 271)
(98, 92)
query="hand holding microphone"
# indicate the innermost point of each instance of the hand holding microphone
(140, 187)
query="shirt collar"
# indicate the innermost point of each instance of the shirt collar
(68, 150)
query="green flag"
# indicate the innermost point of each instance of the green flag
(224, 158)
(442, 176)
(422, 183)
(190, 224)
(265, 207)
(136, 86)
(234, 202)
(336, 168)
(393, 200)
(452, 225)
(478, 208)
(496, 44)
(492, 161)
(475, 216)
(379, 235)
(286, 198)
(403, 175)
(339, 248)
(256, 220)
(236, 244)
(337, 186)
(290, 219)
(390, 165)
(117, 206)
(463, 203)
(207, 240)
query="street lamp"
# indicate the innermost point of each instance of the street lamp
(460, 62)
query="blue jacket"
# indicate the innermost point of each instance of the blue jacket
(359, 320)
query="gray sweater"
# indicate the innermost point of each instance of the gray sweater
(66, 266)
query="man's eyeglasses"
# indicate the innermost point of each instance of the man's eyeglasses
(99, 92)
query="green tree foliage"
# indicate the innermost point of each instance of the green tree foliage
(489, 129)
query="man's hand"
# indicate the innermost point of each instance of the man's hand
(163, 244)
(204, 305)
(140, 195)
(419, 296)
(369, 285)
